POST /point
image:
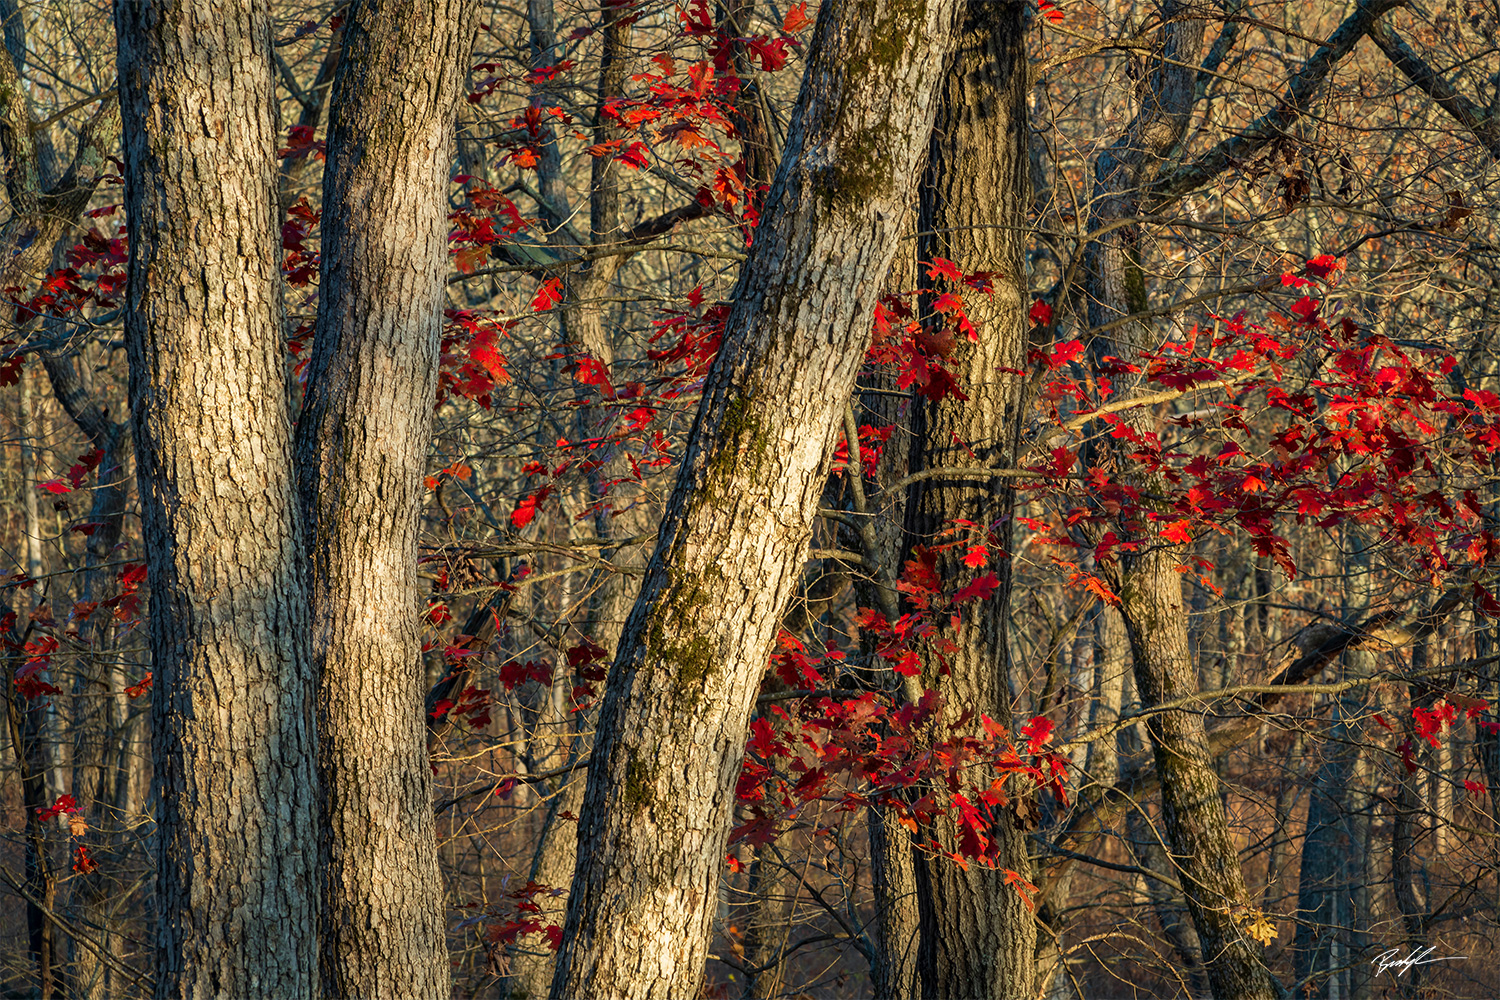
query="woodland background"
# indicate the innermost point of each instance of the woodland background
(606, 183)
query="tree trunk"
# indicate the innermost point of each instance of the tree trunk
(1323, 886)
(978, 936)
(1110, 670)
(672, 728)
(881, 511)
(362, 446)
(232, 727)
(1148, 582)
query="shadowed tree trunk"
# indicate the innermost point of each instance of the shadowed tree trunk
(672, 728)
(978, 935)
(232, 722)
(363, 441)
(881, 511)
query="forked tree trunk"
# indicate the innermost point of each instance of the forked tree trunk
(362, 448)
(978, 935)
(672, 728)
(232, 723)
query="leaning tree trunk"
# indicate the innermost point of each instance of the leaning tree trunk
(362, 446)
(671, 736)
(978, 935)
(1148, 581)
(232, 725)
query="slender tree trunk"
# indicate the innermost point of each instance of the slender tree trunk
(1322, 885)
(881, 544)
(978, 936)
(1168, 904)
(1147, 581)
(33, 731)
(362, 446)
(1111, 646)
(897, 921)
(41, 874)
(232, 726)
(672, 728)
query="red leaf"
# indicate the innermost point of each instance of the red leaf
(909, 665)
(527, 508)
(64, 805)
(796, 19)
(55, 486)
(1177, 532)
(941, 267)
(981, 588)
(1037, 732)
(1065, 353)
(591, 371)
(1486, 602)
(547, 296)
(1024, 887)
(1324, 265)
(1041, 313)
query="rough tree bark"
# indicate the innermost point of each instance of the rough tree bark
(978, 936)
(1147, 581)
(232, 726)
(673, 722)
(362, 445)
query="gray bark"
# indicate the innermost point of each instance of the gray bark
(232, 727)
(362, 446)
(672, 727)
(1148, 583)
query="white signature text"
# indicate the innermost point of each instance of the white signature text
(1394, 962)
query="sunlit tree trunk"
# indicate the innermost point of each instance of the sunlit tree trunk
(363, 441)
(232, 711)
(672, 728)
(1147, 581)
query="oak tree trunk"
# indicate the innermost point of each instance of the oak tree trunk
(672, 728)
(1148, 582)
(978, 935)
(232, 725)
(362, 446)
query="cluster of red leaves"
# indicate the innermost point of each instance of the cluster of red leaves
(1353, 427)
(473, 233)
(67, 806)
(82, 467)
(517, 917)
(470, 364)
(912, 760)
(300, 265)
(1427, 724)
(872, 441)
(44, 636)
(94, 276)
